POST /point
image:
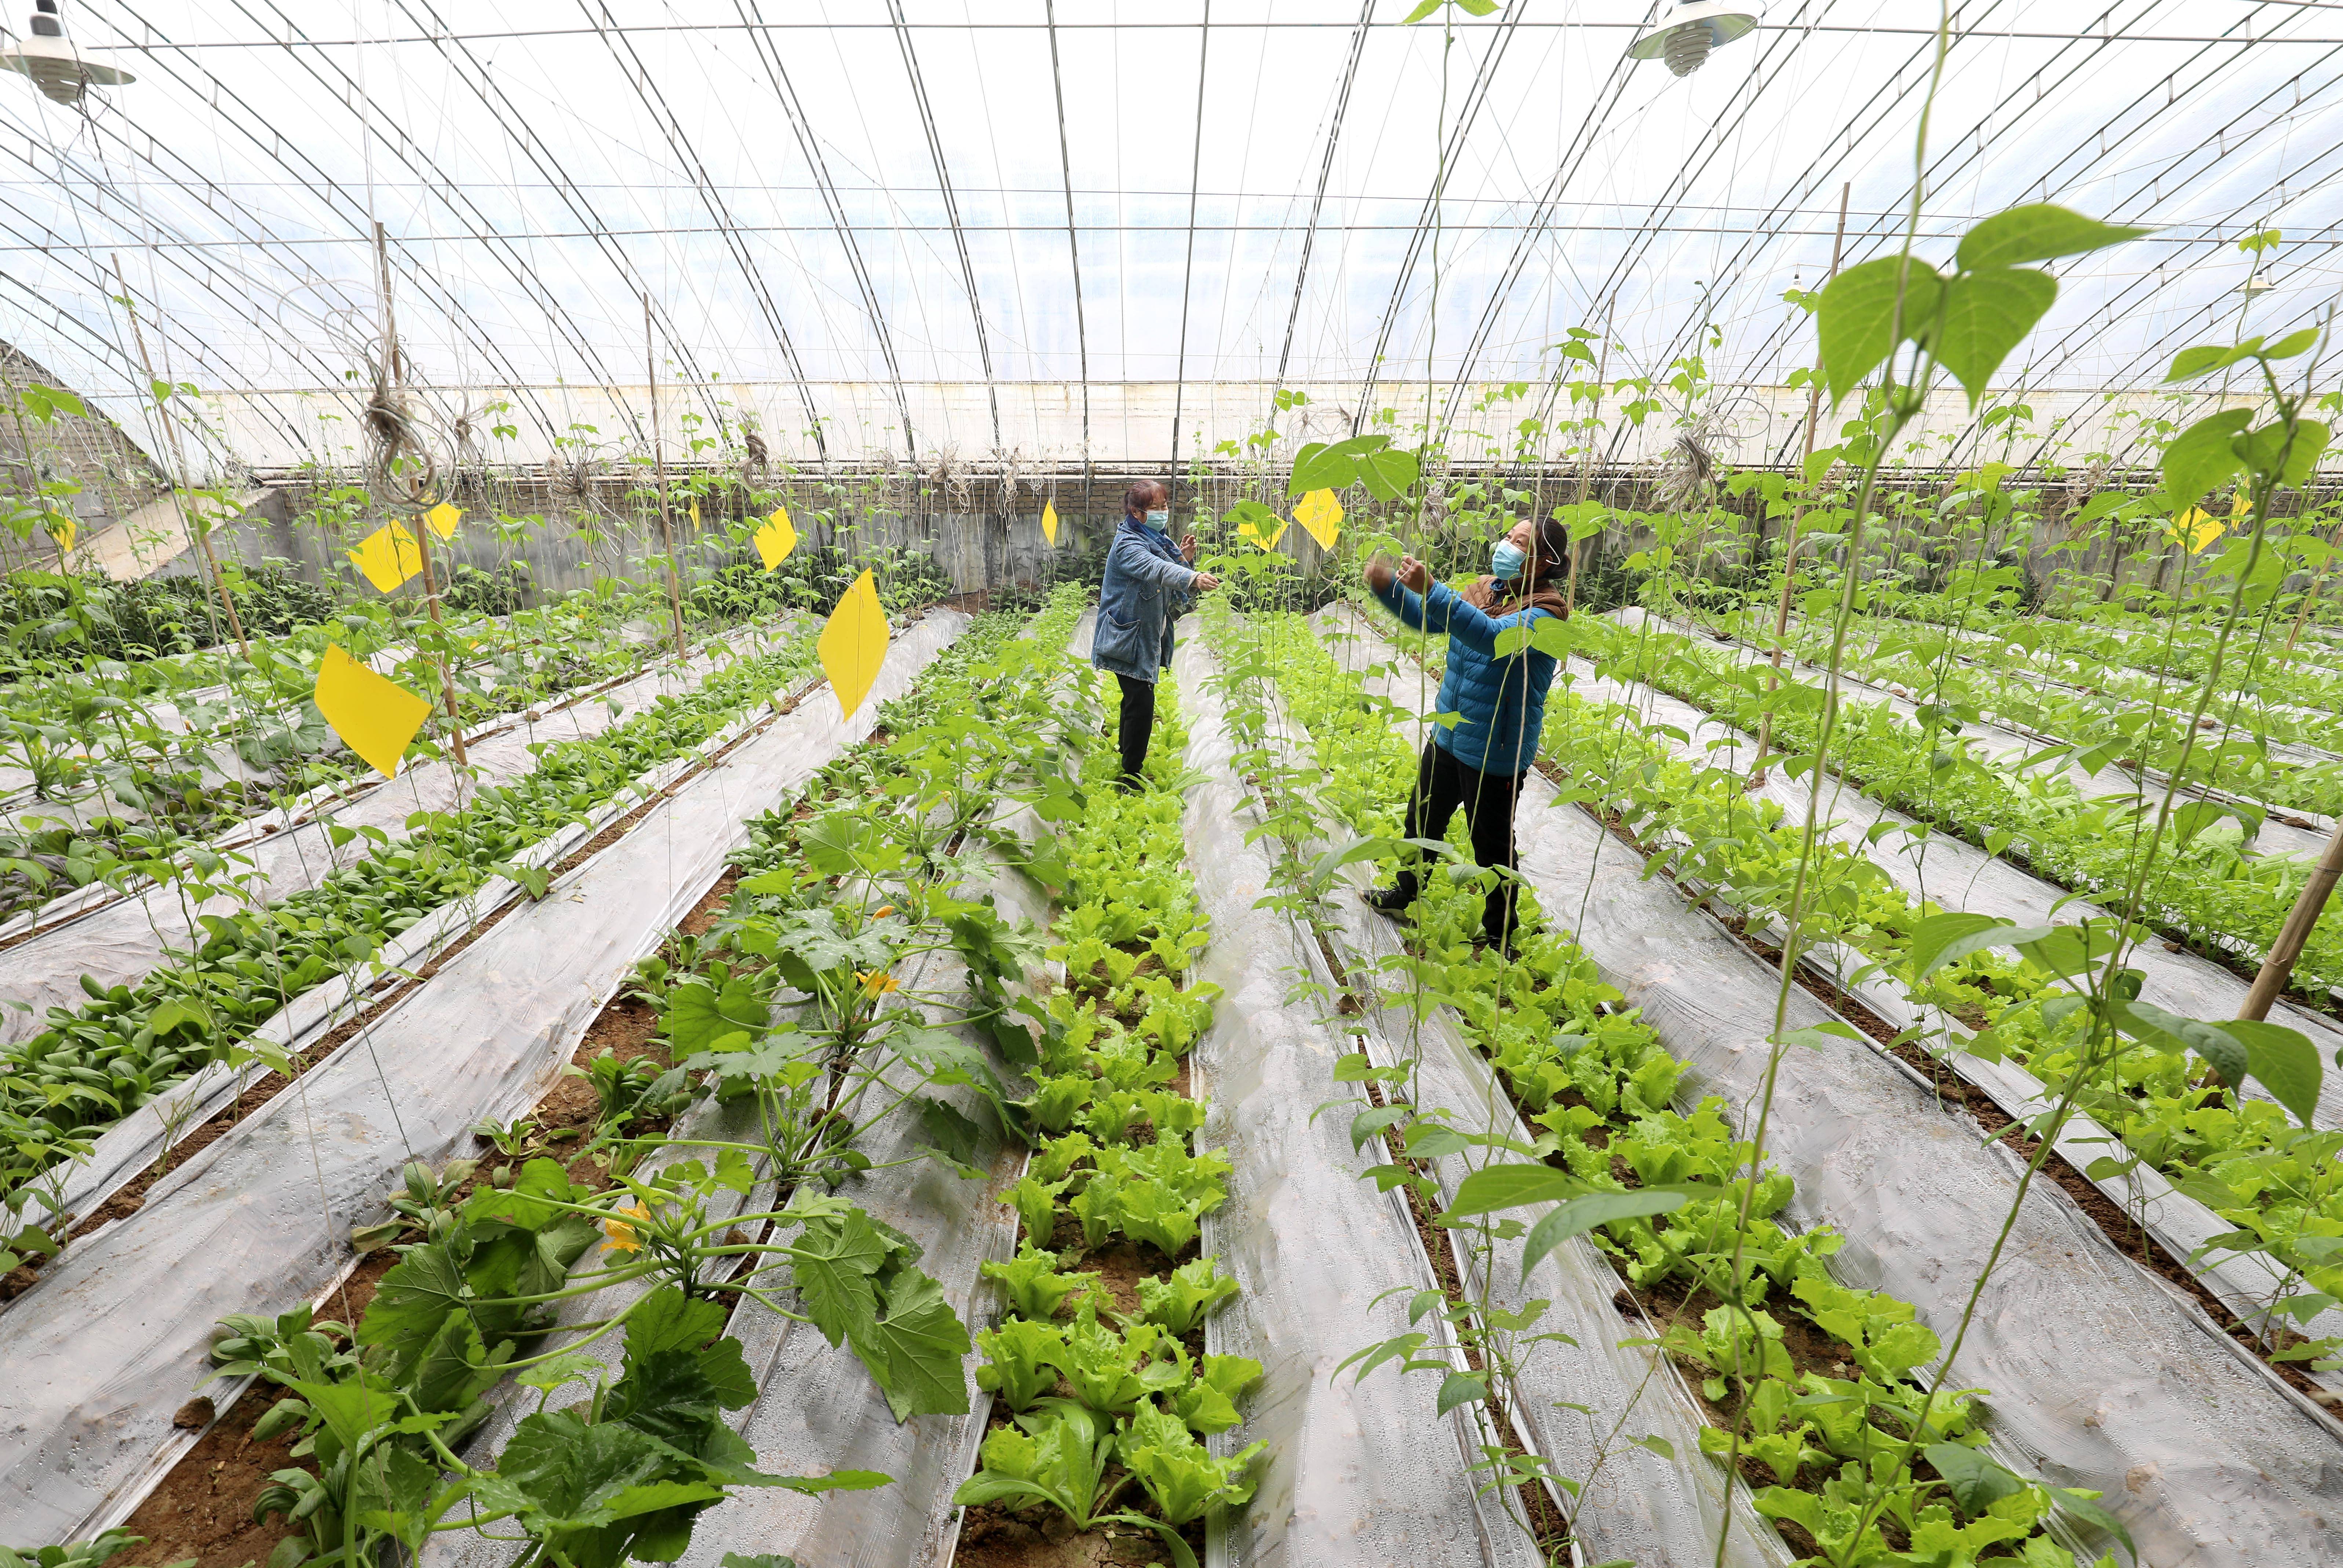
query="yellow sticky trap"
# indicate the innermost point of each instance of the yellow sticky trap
(695, 514)
(2240, 505)
(2193, 530)
(64, 532)
(443, 520)
(854, 644)
(389, 557)
(1050, 522)
(376, 718)
(777, 538)
(1321, 514)
(1247, 531)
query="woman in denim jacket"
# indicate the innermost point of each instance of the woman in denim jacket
(1148, 584)
(1499, 700)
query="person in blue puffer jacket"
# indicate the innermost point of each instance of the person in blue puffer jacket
(1500, 701)
(1149, 585)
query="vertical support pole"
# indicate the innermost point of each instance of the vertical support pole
(1790, 537)
(658, 464)
(395, 368)
(189, 518)
(2277, 969)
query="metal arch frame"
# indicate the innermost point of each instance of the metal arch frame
(1073, 244)
(1542, 217)
(810, 146)
(952, 209)
(410, 152)
(1949, 165)
(680, 145)
(485, 88)
(1884, 99)
(1325, 177)
(1188, 273)
(1476, 94)
(333, 192)
(1942, 171)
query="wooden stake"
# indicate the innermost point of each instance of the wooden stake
(659, 462)
(2277, 969)
(396, 370)
(189, 518)
(1790, 538)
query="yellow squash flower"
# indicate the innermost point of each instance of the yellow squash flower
(621, 1232)
(878, 983)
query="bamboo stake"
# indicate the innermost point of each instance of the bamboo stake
(2277, 969)
(658, 460)
(190, 518)
(1790, 537)
(397, 369)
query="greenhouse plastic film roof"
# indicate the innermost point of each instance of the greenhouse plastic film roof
(1060, 231)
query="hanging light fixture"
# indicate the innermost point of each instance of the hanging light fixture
(51, 60)
(1689, 30)
(2257, 282)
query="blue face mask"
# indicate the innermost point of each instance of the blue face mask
(1159, 521)
(1506, 560)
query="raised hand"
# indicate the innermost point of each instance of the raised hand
(1188, 549)
(1414, 574)
(1379, 574)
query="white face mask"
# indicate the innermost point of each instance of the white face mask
(1159, 521)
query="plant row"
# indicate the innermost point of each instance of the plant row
(809, 1012)
(2199, 884)
(94, 1064)
(1816, 1391)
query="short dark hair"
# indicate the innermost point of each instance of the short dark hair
(1134, 498)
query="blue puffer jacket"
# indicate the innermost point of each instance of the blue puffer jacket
(1502, 700)
(1146, 587)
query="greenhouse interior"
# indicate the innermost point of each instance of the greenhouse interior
(1040, 783)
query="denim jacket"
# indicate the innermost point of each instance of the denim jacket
(1147, 586)
(1501, 701)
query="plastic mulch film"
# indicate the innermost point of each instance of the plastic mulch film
(1958, 875)
(131, 1146)
(1651, 1507)
(2098, 1375)
(1365, 1473)
(817, 1408)
(119, 943)
(2008, 745)
(2244, 1281)
(110, 1343)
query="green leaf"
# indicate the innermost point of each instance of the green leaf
(1509, 1186)
(915, 1351)
(1584, 1213)
(2085, 1507)
(668, 1320)
(2282, 1061)
(2037, 232)
(2205, 358)
(2201, 457)
(1857, 319)
(1984, 315)
(2267, 451)
(1461, 1388)
(1975, 1481)
(1944, 939)
(835, 1283)
(2292, 344)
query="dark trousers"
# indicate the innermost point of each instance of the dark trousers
(1443, 784)
(1136, 726)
